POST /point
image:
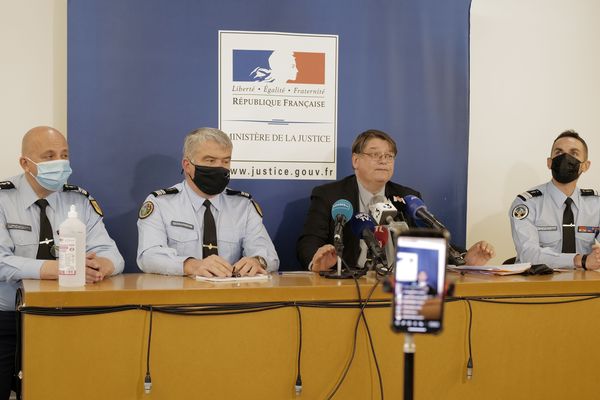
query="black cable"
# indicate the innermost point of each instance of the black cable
(147, 378)
(353, 352)
(528, 303)
(364, 318)
(498, 298)
(470, 361)
(506, 300)
(298, 386)
(76, 311)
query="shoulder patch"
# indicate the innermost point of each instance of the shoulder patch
(588, 192)
(6, 185)
(93, 202)
(520, 211)
(161, 192)
(231, 192)
(146, 209)
(530, 194)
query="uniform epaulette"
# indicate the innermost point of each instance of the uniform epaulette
(6, 185)
(530, 194)
(231, 192)
(161, 192)
(93, 202)
(588, 192)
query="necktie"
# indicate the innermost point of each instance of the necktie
(568, 230)
(209, 238)
(46, 236)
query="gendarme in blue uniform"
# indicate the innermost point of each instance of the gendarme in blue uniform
(536, 223)
(170, 228)
(20, 227)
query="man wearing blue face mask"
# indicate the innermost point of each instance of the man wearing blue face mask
(556, 223)
(32, 205)
(199, 227)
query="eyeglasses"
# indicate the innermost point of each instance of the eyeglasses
(385, 157)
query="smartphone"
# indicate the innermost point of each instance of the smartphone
(418, 281)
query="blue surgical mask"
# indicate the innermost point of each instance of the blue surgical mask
(52, 175)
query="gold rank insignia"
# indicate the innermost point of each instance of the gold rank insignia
(96, 206)
(257, 207)
(146, 209)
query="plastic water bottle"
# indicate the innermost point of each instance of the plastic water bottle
(71, 251)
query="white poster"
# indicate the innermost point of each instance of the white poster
(278, 103)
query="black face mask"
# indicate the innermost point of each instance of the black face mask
(565, 168)
(211, 180)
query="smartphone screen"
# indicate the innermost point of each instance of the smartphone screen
(419, 281)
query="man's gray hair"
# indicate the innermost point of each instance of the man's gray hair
(201, 135)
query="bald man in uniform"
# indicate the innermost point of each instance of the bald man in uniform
(32, 205)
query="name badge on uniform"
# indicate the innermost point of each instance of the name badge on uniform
(587, 229)
(18, 226)
(182, 224)
(547, 228)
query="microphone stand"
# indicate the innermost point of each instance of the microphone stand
(338, 274)
(409, 365)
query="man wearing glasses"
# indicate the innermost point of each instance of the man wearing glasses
(373, 155)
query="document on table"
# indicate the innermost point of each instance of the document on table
(508, 269)
(260, 277)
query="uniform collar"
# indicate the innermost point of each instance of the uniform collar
(198, 201)
(559, 197)
(29, 197)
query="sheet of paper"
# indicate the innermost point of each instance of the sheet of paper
(261, 277)
(508, 269)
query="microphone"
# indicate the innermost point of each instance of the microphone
(384, 213)
(382, 234)
(362, 226)
(418, 211)
(341, 212)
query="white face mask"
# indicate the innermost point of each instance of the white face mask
(52, 175)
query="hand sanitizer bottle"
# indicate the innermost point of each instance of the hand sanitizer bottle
(71, 251)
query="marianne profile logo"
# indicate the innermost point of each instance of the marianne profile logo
(278, 66)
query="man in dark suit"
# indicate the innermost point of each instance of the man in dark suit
(373, 155)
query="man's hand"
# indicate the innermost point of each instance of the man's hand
(97, 268)
(593, 259)
(480, 253)
(208, 267)
(49, 270)
(248, 266)
(324, 258)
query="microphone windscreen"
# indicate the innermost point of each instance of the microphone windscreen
(413, 204)
(359, 222)
(342, 207)
(382, 235)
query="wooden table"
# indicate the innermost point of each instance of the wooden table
(520, 351)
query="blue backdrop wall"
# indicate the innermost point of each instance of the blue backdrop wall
(143, 73)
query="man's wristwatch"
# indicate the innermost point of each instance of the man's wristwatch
(583, 260)
(262, 262)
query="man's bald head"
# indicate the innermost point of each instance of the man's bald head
(44, 143)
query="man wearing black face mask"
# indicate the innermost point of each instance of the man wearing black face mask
(557, 223)
(198, 227)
